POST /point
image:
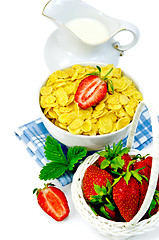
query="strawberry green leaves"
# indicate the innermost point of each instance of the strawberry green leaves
(113, 157)
(129, 173)
(102, 203)
(58, 162)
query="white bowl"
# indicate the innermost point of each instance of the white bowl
(92, 143)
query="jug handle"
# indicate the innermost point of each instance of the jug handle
(125, 26)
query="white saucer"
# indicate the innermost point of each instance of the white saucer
(57, 57)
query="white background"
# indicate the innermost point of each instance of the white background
(24, 32)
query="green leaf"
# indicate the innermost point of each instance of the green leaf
(102, 153)
(93, 73)
(95, 199)
(99, 69)
(110, 151)
(137, 176)
(93, 210)
(97, 189)
(117, 162)
(52, 170)
(124, 151)
(118, 147)
(156, 196)
(35, 189)
(110, 206)
(104, 190)
(105, 163)
(127, 177)
(104, 212)
(58, 163)
(110, 85)
(101, 191)
(53, 151)
(114, 147)
(116, 180)
(143, 176)
(75, 154)
(109, 187)
(152, 206)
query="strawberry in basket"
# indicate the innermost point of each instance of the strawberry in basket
(119, 193)
(98, 191)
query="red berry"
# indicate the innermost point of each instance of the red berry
(53, 201)
(126, 197)
(91, 91)
(127, 159)
(97, 176)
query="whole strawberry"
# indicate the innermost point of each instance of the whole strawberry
(53, 201)
(92, 89)
(126, 197)
(127, 192)
(94, 176)
(97, 189)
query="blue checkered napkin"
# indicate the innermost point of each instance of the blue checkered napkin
(143, 136)
(33, 135)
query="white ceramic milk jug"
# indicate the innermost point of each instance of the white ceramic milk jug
(83, 34)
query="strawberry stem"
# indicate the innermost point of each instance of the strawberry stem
(130, 163)
(105, 77)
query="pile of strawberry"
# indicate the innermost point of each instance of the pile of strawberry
(116, 184)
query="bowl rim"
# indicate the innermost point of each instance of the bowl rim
(63, 131)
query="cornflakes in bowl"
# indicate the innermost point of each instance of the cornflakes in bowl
(99, 125)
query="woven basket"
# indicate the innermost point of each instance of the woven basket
(122, 230)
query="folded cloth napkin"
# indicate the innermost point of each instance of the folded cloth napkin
(33, 135)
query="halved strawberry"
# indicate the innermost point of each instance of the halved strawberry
(53, 201)
(92, 89)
